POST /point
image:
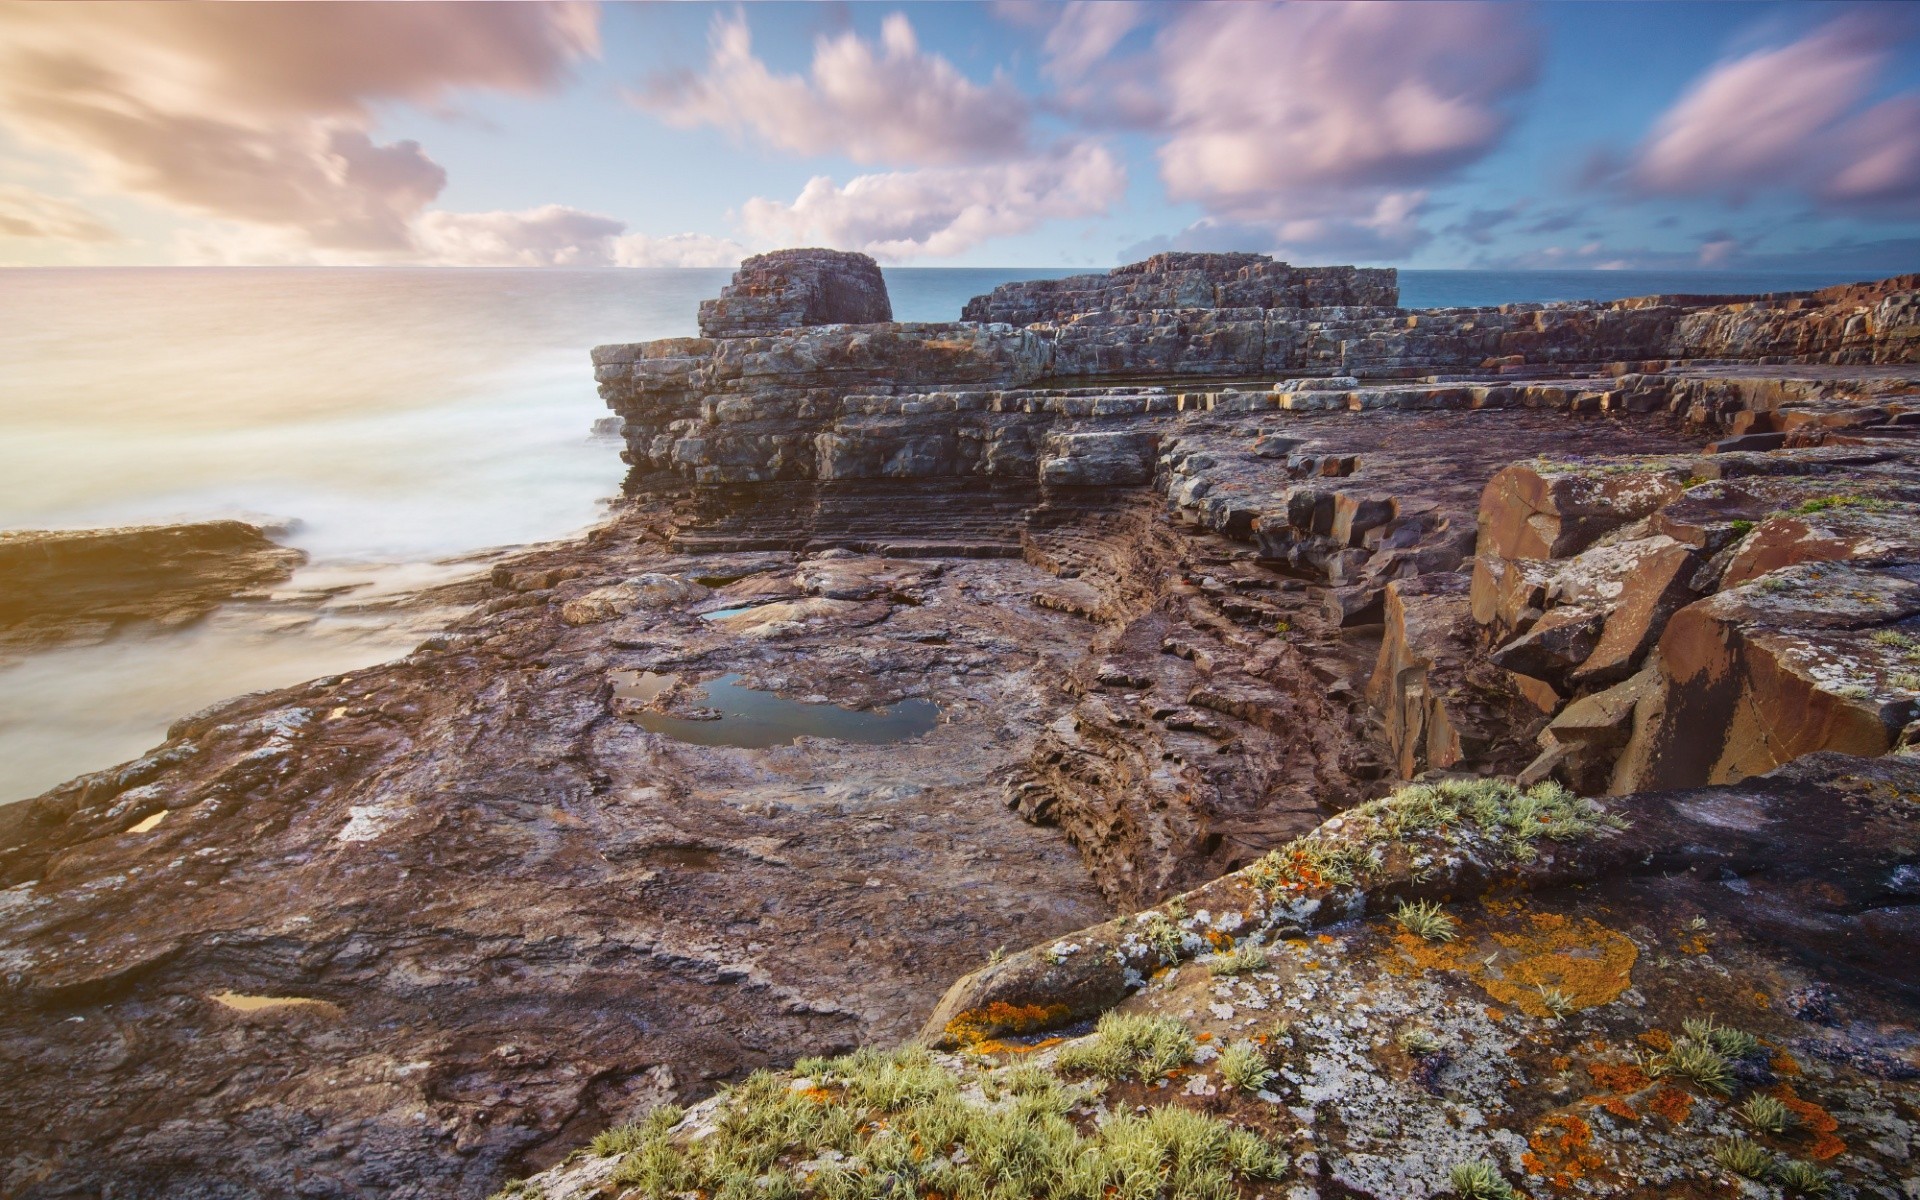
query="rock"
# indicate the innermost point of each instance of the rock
(788, 289)
(1764, 673)
(1556, 644)
(55, 586)
(1098, 458)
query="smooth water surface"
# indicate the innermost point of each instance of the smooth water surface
(755, 719)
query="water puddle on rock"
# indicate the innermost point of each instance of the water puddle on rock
(721, 614)
(147, 823)
(754, 719)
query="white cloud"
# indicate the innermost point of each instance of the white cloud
(261, 112)
(26, 213)
(888, 103)
(1795, 117)
(677, 250)
(1387, 231)
(1263, 102)
(550, 236)
(942, 211)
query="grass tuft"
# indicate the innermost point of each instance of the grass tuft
(1425, 920)
(1743, 1157)
(1244, 1066)
(1417, 1041)
(1766, 1113)
(1804, 1178)
(1239, 960)
(1479, 1181)
(1124, 1044)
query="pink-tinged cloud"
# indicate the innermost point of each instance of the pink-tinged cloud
(1086, 32)
(26, 213)
(550, 236)
(1796, 118)
(677, 250)
(941, 211)
(885, 103)
(1262, 103)
(1386, 230)
(261, 112)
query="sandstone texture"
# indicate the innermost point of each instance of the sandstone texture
(1255, 611)
(60, 586)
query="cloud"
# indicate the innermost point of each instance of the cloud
(1386, 232)
(942, 211)
(677, 250)
(1309, 129)
(261, 112)
(1086, 32)
(26, 213)
(1796, 117)
(889, 103)
(550, 236)
(1263, 102)
(1479, 224)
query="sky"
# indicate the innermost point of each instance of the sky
(1480, 135)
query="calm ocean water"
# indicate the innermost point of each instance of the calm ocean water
(392, 418)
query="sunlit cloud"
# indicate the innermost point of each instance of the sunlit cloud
(262, 113)
(942, 211)
(26, 213)
(889, 102)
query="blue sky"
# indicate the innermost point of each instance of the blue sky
(1711, 135)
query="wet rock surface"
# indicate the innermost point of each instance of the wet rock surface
(69, 585)
(1200, 562)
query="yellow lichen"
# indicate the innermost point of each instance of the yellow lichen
(1575, 960)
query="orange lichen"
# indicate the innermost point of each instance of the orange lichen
(1659, 1039)
(1816, 1121)
(1584, 961)
(1783, 1063)
(1619, 1107)
(976, 1026)
(1671, 1103)
(1561, 1150)
(1219, 940)
(1205, 1035)
(1619, 1077)
(1561, 1062)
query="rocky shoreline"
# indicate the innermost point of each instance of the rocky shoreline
(1219, 574)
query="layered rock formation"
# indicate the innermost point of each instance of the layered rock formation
(1198, 561)
(62, 585)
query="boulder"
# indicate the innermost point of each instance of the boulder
(788, 289)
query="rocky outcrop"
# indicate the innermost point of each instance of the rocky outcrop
(1197, 568)
(789, 289)
(1185, 281)
(62, 585)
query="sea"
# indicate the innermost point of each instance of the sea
(399, 425)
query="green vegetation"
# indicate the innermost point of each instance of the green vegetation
(1239, 961)
(1144, 1047)
(1557, 1002)
(1506, 819)
(1244, 1066)
(1803, 1178)
(1741, 527)
(1425, 920)
(897, 1124)
(1766, 1113)
(1734, 1043)
(622, 1139)
(1167, 938)
(1479, 1181)
(1823, 503)
(1695, 1056)
(1743, 1157)
(1417, 1041)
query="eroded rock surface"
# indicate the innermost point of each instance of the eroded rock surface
(1198, 560)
